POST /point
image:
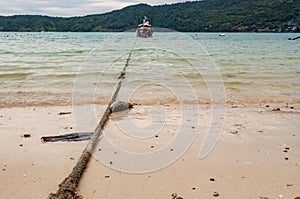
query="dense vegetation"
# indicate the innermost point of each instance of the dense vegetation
(206, 15)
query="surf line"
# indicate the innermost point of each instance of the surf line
(68, 187)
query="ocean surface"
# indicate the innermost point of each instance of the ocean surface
(82, 68)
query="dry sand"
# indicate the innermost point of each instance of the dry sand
(256, 156)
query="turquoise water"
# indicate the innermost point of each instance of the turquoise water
(63, 68)
(257, 66)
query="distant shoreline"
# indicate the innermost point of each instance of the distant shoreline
(134, 31)
(193, 16)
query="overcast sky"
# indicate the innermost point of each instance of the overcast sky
(66, 8)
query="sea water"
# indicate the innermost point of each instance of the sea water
(49, 68)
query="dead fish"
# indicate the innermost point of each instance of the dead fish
(120, 106)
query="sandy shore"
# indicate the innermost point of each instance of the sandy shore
(256, 156)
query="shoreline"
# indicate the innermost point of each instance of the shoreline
(255, 156)
(229, 103)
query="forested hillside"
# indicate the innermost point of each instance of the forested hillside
(207, 15)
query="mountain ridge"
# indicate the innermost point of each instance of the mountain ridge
(190, 16)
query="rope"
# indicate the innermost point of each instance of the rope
(68, 187)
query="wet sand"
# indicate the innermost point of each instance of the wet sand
(256, 156)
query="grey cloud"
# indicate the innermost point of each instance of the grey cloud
(67, 8)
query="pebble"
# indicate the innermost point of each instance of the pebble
(26, 135)
(276, 109)
(216, 194)
(174, 195)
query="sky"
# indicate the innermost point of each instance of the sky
(68, 8)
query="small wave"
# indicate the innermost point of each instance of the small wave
(239, 82)
(22, 99)
(18, 76)
(57, 76)
(69, 53)
(7, 53)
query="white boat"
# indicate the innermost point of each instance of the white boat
(144, 30)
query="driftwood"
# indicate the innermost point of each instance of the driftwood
(75, 137)
(71, 137)
(64, 113)
(67, 189)
(294, 38)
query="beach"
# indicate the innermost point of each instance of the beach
(218, 118)
(256, 156)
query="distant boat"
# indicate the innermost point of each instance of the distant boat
(221, 34)
(144, 30)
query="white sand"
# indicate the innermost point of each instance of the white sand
(248, 161)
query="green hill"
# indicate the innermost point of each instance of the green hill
(207, 15)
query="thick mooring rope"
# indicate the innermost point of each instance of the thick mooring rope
(68, 188)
